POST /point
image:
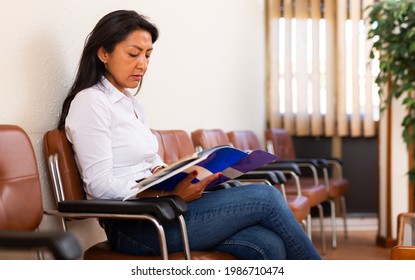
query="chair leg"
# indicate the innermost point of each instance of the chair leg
(322, 235)
(306, 223)
(333, 224)
(309, 230)
(344, 214)
(185, 237)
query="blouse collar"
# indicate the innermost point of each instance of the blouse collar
(113, 93)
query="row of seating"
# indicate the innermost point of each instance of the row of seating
(331, 176)
(301, 194)
(335, 184)
(175, 144)
(19, 222)
(325, 185)
(71, 201)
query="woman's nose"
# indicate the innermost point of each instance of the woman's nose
(142, 62)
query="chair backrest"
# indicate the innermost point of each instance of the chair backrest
(173, 144)
(57, 147)
(20, 192)
(244, 139)
(208, 138)
(282, 142)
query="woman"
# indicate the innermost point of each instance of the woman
(114, 148)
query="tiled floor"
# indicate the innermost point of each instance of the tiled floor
(360, 245)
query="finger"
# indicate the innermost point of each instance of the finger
(189, 178)
(206, 181)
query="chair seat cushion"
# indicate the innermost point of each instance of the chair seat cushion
(338, 188)
(102, 251)
(299, 205)
(315, 193)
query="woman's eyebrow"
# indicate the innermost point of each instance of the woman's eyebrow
(140, 49)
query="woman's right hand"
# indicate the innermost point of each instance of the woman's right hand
(188, 191)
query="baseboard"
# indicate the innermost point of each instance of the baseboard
(353, 224)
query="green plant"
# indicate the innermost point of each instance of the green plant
(393, 35)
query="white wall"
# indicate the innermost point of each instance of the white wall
(207, 70)
(398, 200)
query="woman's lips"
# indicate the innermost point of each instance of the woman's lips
(137, 77)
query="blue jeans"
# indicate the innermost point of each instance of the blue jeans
(250, 222)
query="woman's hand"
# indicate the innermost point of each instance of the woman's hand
(188, 191)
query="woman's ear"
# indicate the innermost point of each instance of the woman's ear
(102, 55)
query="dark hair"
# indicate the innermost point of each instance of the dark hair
(108, 32)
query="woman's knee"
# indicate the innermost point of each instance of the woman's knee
(254, 243)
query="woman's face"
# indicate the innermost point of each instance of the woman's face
(127, 63)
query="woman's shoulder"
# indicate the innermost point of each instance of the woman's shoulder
(90, 100)
(88, 104)
(92, 95)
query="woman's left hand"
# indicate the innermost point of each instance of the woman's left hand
(188, 191)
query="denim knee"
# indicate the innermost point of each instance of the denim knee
(254, 243)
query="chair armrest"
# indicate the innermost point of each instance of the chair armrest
(336, 167)
(282, 165)
(232, 183)
(281, 176)
(316, 162)
(161, 210)
(308, 167)
(333, 159)
(268, 176)
(179, 205)
(274, 177)
(323, 162)
(222, 186)
(63, 245)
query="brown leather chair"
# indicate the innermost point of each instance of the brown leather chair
(208, 138)
(173, 144)
(69, 192)
(21, 200)
(336, 186)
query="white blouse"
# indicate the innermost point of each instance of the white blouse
(113, 146)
